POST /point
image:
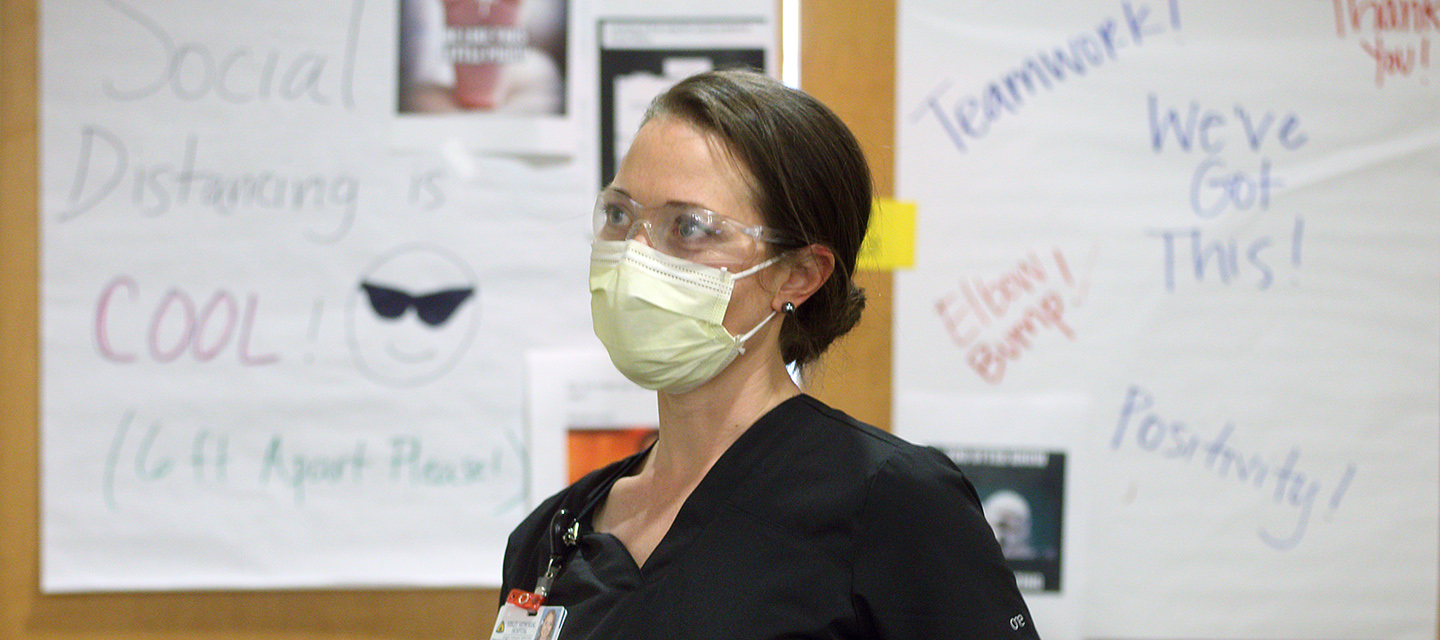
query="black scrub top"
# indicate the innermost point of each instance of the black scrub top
(811, 525)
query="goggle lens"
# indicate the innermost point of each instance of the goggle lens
(692, 233)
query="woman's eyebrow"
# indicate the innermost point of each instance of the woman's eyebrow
(668, 203)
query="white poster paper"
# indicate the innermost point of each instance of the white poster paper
(1217, 223)
(274, 354)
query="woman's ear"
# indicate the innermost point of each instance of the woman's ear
(806, 270)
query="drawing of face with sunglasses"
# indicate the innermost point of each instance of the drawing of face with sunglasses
(413, 315)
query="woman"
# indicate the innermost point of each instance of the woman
(724, 250)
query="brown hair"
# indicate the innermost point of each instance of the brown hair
(810, 178)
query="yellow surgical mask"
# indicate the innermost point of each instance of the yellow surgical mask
(660, 316)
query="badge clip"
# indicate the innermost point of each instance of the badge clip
(525, 600)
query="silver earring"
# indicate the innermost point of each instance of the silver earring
(788, 308)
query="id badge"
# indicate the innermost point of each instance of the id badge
(516, 623)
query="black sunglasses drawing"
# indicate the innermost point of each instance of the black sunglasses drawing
(433, 308)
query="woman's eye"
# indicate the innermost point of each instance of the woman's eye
(616, 217)
(692, 228)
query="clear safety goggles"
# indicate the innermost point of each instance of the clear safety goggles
(689, 232)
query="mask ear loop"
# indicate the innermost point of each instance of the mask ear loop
(740, 339)
(755, 268)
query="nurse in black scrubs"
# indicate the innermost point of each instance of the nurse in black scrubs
(724, 250)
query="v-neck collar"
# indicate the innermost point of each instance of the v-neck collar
(703, 503)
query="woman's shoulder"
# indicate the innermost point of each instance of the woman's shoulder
(926, 563)
(846, 470)
(874, 450)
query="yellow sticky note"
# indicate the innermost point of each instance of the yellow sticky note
(890, 242)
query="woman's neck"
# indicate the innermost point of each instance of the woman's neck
(696, 428)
